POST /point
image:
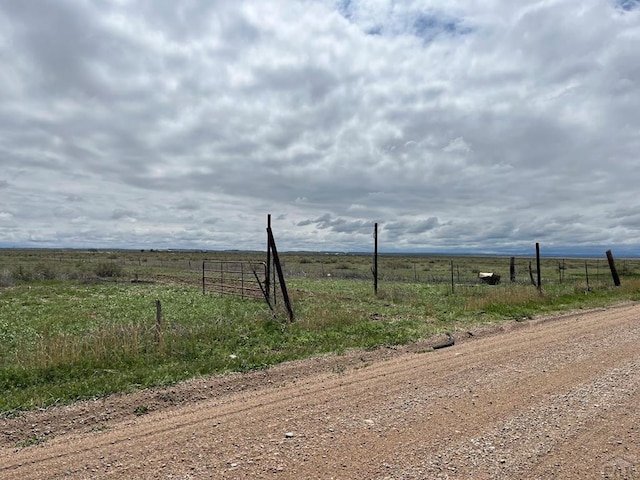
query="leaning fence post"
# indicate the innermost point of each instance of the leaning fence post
(533, 282)
(612, 267)
(283, 285)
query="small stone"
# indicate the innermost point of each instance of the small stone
(289, 435)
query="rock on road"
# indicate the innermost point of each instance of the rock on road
(547, 398)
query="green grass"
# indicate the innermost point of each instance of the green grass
(66, 335)
(64, 341)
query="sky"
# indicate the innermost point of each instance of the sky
(478, 126)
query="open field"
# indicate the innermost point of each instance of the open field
(78, 264)
(81, 324)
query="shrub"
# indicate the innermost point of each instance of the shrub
(22, 274)
(108, 270)
(44, 271)
(6, 278)
(41, 271)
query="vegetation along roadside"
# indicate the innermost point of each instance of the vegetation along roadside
(76, 325)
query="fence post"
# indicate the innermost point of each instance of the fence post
(283, 285)
(375, 258)
(221, 279)
(538, 267)
(512, 269)
(203, 277)
(612, 267)
(533, 282)
(453, 287)
(586, 274)
(158, 333)
(267, 281)
(559, 272)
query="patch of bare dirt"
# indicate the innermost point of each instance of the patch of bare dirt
(544, 398)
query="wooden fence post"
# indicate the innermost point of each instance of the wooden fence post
(586, 274)
(512, 269)
(158, 332)
(612, 267)
(533, 282)
(453, 285)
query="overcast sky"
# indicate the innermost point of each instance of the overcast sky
(467, 125)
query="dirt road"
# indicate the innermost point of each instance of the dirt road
(547, 398)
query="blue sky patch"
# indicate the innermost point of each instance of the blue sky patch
(428, 26)
(628, 5)
(345, 8)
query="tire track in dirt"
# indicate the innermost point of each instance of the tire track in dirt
(367, 423)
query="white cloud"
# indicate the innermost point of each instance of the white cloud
(459, 125)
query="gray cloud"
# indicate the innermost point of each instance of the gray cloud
(338, 225)
(469, 126)
(123, 214)
(412, 226)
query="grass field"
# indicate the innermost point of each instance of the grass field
(74, 325)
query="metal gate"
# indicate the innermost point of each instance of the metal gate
(243, 279)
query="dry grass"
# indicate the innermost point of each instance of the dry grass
(101, 345)
(501, 295)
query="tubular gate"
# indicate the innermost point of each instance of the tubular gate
(240, 278)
